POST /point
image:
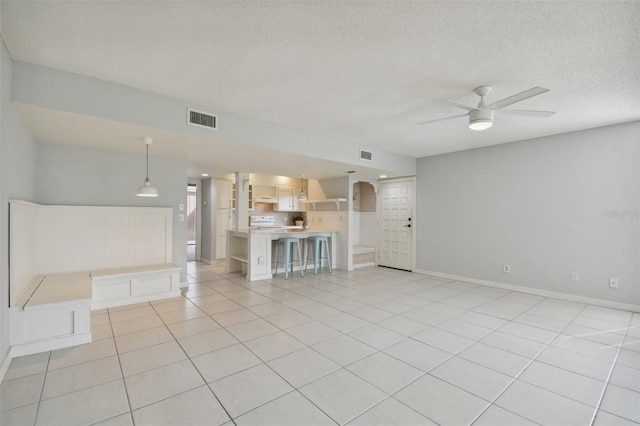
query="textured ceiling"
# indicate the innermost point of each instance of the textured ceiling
(360, 72)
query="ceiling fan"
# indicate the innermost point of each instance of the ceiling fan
(481, 116)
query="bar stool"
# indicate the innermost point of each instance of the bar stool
(287, 255)
(317, 243)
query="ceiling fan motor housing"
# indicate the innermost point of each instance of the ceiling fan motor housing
(480, 119)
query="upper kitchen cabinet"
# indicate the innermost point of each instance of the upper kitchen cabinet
(265, 194)
(226, 194)
(287, 201)
(285, 198)
(249, 195)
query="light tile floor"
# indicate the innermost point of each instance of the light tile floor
(372, 347)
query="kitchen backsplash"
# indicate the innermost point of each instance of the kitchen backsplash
(280, 218)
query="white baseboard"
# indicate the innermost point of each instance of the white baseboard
(4, 365)
(184, 284)
(363, 265)
(536, 291)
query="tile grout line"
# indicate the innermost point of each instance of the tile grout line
(124, 383)
(613, 366)
(297, 389)
(492, 402)
(431, 326)
(44, 380)
(195, 368)
(445, 360)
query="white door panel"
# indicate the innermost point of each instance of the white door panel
(396, 228)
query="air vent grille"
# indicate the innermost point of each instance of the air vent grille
(202, 119)
(366, 155)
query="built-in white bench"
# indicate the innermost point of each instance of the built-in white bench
(123, 286)
(52, 313)
(52, 310)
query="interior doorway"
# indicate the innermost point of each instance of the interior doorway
(192, 222)
(363, 226)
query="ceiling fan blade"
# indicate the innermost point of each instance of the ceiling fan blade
(535, 91)
(441, 119)
(529, 112)
(455, 104)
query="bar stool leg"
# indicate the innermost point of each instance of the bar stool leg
(317, 252)
(299, 260)
(287, 259)
(326, 247)
(306, 253)
(277, 251)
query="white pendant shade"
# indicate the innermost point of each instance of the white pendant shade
(146, 190)
(302, 196)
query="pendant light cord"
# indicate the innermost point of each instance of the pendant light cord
(147, 161)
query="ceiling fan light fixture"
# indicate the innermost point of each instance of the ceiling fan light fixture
(480, 119)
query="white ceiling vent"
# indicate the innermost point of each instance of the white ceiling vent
(202, 119)
(366, 155)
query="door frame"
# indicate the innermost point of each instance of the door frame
(414, 225)
(198, 184)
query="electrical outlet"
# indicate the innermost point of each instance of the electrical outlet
(613, 282)
(506, 268)
(575, 276)
(260, 260)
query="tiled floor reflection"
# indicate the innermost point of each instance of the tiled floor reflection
(372, 347)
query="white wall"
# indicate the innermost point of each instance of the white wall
(368, 229)
(543, 206)
(71, 175)
(18, 153)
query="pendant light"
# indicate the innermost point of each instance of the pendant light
(146, 190)
(302, 196)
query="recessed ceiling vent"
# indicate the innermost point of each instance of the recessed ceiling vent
(202, 119)
(366, 155)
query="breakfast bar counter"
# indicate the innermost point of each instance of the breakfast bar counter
(252, 249)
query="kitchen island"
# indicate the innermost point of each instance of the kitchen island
(252, 249)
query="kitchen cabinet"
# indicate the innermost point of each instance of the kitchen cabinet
(224, 203)
(265, 194)
(224, 190)
(287, 201)
(224, 221)
(249, 195)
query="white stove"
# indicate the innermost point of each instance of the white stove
(263, 222)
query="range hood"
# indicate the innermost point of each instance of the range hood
(271, 200)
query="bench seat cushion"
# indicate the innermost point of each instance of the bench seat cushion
(61, 288)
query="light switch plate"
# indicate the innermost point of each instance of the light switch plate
(181, 207)
(181, 218)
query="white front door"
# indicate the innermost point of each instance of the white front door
(395, 224)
